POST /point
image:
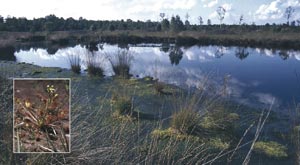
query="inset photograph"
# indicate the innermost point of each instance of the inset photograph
(41, 115)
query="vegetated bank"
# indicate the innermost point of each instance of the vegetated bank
(261, 37)
(118, 111)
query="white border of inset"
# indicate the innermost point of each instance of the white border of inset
(70, 128)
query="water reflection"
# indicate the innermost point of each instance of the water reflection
(241, 53)
(52, 50)
(220, 51)
(123, 46)
(254, 77)
(175, 55)
(92, 46)
(284, 55)
(7, 53)
(165, 47)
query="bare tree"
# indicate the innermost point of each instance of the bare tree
(289, 11)
(162, 15)
(241, 19)
(221, 12)
(187, 16)
(187, 23)
(200, 20)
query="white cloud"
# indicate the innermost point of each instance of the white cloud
(266, 98)
(295, 54)
(149, 9)
(297, 57)
(178, 4)
(271, 11)
(227, 6)
(275, 10)
(295, 3)
(213, 15)
(269, 53)
(190, 55)
(211, 4)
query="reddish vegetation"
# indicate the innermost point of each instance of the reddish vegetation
(41, 116)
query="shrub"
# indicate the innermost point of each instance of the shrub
(121, 63)
(74, 61)
(271, 149)
(185, 121)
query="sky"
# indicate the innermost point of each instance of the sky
(258, 11)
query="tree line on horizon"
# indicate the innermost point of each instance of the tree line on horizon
(175, 24)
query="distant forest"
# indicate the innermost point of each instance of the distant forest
(175, 24)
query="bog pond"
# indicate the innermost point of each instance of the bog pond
(251, 76)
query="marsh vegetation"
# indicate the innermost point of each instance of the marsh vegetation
(185, 128)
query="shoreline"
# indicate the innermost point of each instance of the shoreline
(259, 39)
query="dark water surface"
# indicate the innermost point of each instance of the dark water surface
(252, 76)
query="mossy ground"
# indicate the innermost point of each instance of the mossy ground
(271, 149)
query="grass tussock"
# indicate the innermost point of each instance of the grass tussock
(121, 62)
(122, 104)
(74, 61)
(185, 121)
(94, 64)
(186, 116)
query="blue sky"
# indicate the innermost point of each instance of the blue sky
(258, 11)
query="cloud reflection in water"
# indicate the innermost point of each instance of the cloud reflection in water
(253, 74)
